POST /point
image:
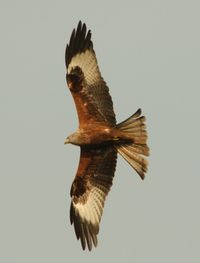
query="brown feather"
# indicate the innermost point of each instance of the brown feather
(89, 190)
(89, 90)
(134, 128)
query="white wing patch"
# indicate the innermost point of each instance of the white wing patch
(91, 211)
(88, 63)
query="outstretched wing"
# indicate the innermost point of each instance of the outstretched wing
(89, 190)
(89, 90)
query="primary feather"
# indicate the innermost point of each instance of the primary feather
(92, 88)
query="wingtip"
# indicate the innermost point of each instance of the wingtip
(80, 40)
(79, 23)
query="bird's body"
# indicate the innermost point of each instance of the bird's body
(99, 136)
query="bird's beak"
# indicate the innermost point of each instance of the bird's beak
(66, 141)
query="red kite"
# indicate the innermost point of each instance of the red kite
(99, 137)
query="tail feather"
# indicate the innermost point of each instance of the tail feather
(136, 128)
(129, 120)
(134, 152)
(134, 159)
(139, 149)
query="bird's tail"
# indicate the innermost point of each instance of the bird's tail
(134, 127)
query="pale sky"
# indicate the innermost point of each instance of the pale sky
(149, 54)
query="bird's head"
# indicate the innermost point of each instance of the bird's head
(67, 140)
(73, 139)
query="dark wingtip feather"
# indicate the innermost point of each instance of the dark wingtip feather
(85, 232)
(87, 236)
(71, 214)
(80, 40)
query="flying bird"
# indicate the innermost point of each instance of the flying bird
(99, 137)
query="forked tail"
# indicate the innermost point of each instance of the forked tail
(135, 128)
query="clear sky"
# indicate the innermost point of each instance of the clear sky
(149, 54)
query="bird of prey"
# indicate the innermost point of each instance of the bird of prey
(99, 136)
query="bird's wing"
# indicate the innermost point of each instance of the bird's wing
(89, 90)
(89, 190)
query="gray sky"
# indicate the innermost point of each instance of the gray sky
(148, 52)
